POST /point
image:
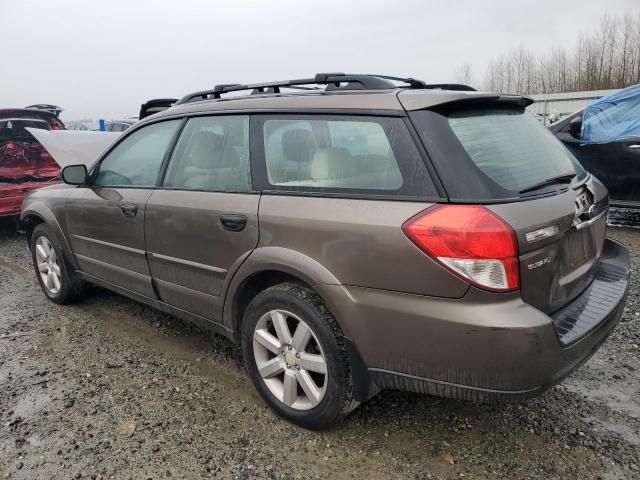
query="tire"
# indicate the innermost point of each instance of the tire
(69, 287)
(296, 303)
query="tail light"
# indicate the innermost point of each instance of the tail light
(471, 241)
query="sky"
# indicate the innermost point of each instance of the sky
(103, 59)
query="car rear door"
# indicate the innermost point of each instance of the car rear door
(203, 221)
(105, 220)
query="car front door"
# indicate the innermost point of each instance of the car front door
(105, 220)
(203, 220)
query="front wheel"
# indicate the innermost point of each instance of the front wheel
(55, 276)
(296, 357)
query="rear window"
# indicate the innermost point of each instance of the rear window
(511, 147)
(16, 128)
(489, 153)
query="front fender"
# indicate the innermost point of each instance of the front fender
(33, 207)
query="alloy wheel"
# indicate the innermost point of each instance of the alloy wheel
(48, 266)
(290, 359)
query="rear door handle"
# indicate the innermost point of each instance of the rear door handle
(129, 209)
(233, 223)
(635, 146)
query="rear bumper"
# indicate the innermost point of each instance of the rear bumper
(485, 346)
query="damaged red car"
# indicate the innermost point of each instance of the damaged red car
(24, 164)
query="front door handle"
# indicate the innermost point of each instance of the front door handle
(635, 146)
(233, 223)
(129, 209)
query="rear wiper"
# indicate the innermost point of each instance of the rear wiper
(564, 178)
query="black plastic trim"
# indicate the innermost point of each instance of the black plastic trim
(363, 388)
(389, 380)
(160, 305)
(169, 153)
(605, 296)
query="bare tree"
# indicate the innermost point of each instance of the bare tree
(464, 74)
(608, 57)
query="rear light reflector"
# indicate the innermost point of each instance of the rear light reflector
(471, 241)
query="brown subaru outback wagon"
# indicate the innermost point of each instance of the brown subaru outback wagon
(354, 233)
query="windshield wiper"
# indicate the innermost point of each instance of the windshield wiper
(564, 178)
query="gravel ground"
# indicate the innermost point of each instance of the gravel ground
(109, 388)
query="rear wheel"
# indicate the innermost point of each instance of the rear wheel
(295, 356)
(55, 276)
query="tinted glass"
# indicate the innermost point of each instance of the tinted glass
(16, 129)
(330, 154)
(511, 147)
(136, 160)
(212, 154)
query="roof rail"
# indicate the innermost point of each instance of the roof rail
(332, 82)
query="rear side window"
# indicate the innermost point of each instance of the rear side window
(212, 154)
(341, 153)
(491, 152)
(511, 147)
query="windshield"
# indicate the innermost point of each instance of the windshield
(511, 147)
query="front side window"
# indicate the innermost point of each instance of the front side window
(137, 159)
(212, 154)
(331, 154)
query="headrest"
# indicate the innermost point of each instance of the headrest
(210, 150)
(333, 163)
(298, 145)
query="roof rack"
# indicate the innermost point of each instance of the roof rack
(331, 81)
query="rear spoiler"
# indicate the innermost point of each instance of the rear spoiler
(416, 100)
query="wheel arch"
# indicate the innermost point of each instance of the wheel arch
(270, 266)
(265, 267)
(37, 213)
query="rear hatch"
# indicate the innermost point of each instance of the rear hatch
(521, 172)
(558, 255)
(156, 105)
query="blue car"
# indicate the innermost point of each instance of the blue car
(605, 138)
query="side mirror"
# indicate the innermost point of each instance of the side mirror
(74, 174)
(575, 127)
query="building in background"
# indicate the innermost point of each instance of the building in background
(551, 107)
